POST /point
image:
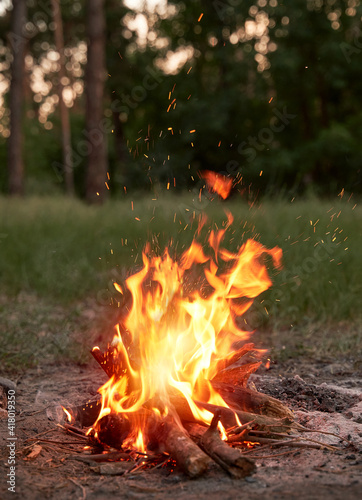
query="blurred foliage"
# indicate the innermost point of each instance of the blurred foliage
(271, 91)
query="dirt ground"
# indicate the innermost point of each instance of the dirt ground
(324, 396)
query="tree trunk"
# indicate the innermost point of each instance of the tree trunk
(18, 41)
(94, 88)
(64, 114)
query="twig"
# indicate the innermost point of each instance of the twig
(84, 493)
(59, 448)
(20, 419)
(102, 457)
(52, 441)
(240, 428)
(291, 436)
(292, 442)
(136, 467)
(161, 463)
(305, 429)
(72, 428)
(269, 456)
(75, 431)
(40, 434)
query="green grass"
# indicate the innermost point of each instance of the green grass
(65, 253)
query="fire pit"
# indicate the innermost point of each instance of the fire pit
(179, 364)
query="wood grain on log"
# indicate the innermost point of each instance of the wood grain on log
(230, 459)
(174, 441)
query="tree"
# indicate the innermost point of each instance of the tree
(64, 114)
(94, 88)
(18, 42)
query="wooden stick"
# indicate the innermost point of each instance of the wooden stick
(113, 429)
(237, 376)
(112, 456)
(227, 416)
(247, 400)
(230, 459)
(295, 443)
(171, 439)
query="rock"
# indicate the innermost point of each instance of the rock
(7, 384)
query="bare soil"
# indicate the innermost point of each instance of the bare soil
(323, 397)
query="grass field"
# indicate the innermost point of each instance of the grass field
(59, 258)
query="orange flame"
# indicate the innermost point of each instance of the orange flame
(181, 324)
(68, 414)
(218, 183)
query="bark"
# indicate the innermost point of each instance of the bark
(252, 401)
(237, 376)
(234, 357)
(174, 441)
(230, 459)
(227, 416)
(94, 89)
(64, 114)
(18, 42)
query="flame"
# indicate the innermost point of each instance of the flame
(68, 414)
(181, 324)
(218, 183)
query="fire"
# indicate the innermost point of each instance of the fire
(218, 183)
(177, 333)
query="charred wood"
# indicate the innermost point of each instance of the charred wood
(174, 441)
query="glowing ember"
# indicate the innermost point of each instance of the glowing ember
(218, 183)
(180, 326)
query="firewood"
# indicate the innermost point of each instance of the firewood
(113, 429)
(230, 459)
(250, 401)
(165, 436)
(222, 364)
(239, 397)
(227, 416)
(260, 421)
(174, 441)
(237, 376)
(111, 456)
(85, 415)
(103, 361)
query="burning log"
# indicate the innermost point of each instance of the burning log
(247, 400)
(113, 430)
(240, 398)
(174, 441)
(227, 416)
(237, 376)
(228, 458)
(223, 364)
(163, 436)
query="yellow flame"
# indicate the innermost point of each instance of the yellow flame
(68, 414)
(182, 323)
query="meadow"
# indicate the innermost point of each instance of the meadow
(60, 257)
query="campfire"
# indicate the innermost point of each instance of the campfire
(179, 362)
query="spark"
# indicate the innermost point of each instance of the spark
(200, 17)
